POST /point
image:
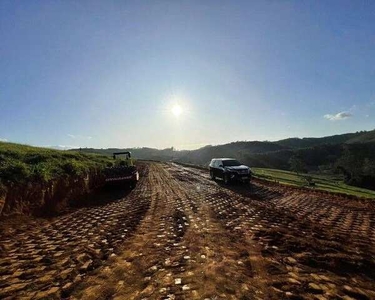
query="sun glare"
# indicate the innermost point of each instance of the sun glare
(176, 110)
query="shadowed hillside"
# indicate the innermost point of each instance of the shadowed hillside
(365, 137)
(357, 137)
(317, 151)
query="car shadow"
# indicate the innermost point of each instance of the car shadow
(250, 190)
(103, 195)
(244, 189)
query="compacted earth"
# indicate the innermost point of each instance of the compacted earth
(180, 235)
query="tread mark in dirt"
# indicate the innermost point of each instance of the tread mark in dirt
(199, 239)
(39, 262)
(280, 215)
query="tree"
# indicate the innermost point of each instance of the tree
(350, 165)
(297, 164)
(358, 167)
(369, 167)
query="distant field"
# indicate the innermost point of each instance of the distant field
(322, 182)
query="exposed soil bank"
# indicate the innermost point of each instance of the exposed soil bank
(43, 252)
(48, 198)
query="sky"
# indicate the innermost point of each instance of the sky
(110, 73)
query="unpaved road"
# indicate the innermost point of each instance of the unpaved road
(179, 235)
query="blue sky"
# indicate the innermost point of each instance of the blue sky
(107, 73)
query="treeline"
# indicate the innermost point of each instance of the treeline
(358, 165)
(355, 161)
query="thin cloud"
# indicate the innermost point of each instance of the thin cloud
(60, 147)
(339, 116)
(81, 137)
(66, 146)
(3, 140)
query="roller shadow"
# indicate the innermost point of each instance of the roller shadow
(103, 195)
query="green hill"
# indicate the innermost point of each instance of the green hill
(364, 137)
(357, 137)
(239, 150)
(325, 150)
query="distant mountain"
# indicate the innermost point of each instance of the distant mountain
(138, 153)
(364, 137)
(352, 153)
(357, 137)
(200, 156)
(238, 150)
(264, 154)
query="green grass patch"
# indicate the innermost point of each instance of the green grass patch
(330, 183)
(22, 163)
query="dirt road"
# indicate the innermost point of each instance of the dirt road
(179, 235)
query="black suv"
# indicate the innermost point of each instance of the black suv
(229, 169)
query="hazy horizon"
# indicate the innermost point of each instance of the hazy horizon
(184, 74)
(68, 147)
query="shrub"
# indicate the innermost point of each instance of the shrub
(16, 171)
(73, 168)
(21, 163)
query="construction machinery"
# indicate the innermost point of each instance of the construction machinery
(123, 172)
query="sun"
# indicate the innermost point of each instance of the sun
(177, 110)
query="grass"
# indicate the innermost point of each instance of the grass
(330, 183)
(22, 163)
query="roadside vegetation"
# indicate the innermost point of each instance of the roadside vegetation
(22, 163)
(330, 183)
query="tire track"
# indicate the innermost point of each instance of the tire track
(187, 237)
(302, 246)
(48, 261)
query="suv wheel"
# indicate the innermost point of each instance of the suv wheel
(226, 178)
(212, 175)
